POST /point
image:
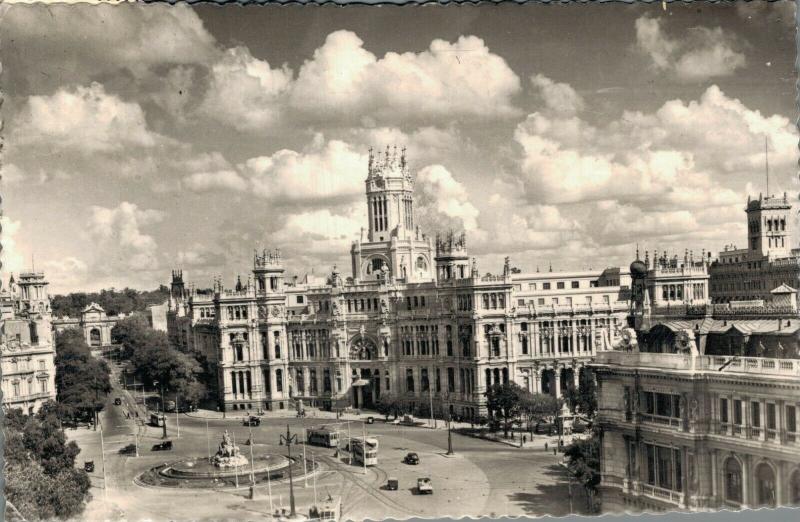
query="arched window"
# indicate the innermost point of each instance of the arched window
(410, 380)
(279, 380)
(494, 301)
(794, 488)
(94, 337)
(733, 480)
(421, 265)
(485, 301)
(765, 485)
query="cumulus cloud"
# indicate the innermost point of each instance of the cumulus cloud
(121, 245)
(12, 257)
(86, 119)
(245, 92)
(102, 40)
(441, 200)
(704, 53)
(558, 97)
(344, 82)
(325, 172)
(686, 154)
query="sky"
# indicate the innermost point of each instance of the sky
(144, 138)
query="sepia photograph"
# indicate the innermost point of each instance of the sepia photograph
(367, 262)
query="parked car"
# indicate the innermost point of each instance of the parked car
(88, 466)
(392, 484)
(163, 446)
(252, 420)
(424, 486)
(411, 458)
(117, 401)
(370, 420)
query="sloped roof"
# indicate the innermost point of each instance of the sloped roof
(784, 289)
(93, 307)
(719, 326)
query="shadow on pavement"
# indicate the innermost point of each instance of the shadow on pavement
(553, 498)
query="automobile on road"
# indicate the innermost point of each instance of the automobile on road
(88, 466)
(411, 458)
(252, 420)
(392, 484)
(424, 486)
(163, 446)
(117, 401)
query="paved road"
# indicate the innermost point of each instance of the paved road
(484, 478)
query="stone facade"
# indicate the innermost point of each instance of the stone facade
(700, 410)
(415, 320)
(93, 323)
(27, 351)
(745, 274)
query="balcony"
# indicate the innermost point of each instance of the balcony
(712, 363)
(667, 495)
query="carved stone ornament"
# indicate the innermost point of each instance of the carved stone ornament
(262, 311)
(276, 311)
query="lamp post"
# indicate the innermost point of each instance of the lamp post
(290, 439)
(449, 433)
(163, 415)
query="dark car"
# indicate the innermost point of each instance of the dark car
(370, 420)
(163, 446)
(88, 466)
(252, 421)
(411, 458)
(117, 401)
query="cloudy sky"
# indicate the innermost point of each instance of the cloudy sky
(145, 138)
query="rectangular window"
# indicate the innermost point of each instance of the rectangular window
(540, 301)
(791, 419)
(576, 284)
(560, 285)
(299, 299)
(520, 302)
(545, 286)
(755, 414)
(770, 416)
(737, 412)
(555, 300)
(569, 301)
(451, 380)
(723, 411)
(531, 286)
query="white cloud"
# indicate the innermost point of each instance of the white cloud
(245, 92)
(438, 194)
(120, 243)
(686, 154)
(345, 82)
(86, 119)
(449, 79)
(106, 38)
(558, 97)
(13, 259)
(701, 54)
(221, 179)
(322, 173)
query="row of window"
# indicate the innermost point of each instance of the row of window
(237, 312)
(494, 301)
(16, 389)
(25, 365)
(467, 380)
(732, 415)
(541, 301)
(361, 305)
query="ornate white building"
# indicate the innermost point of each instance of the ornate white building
(699, 406)
(27, 351)
(415, 320)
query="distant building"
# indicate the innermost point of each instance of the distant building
(157, 316)
(769, 261)
(27, 351)
(93, 323)
(416, 321)
(698, 405)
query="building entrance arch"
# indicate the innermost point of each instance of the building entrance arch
(765, 485)
(95, 339)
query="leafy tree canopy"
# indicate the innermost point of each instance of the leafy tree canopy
(82, 380)
(584, 398)
(114, 302)
(40, 476)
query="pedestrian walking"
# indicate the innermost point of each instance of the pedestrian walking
(545, 446)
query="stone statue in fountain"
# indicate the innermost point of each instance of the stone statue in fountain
(228, 455)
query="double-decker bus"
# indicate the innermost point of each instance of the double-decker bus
(324, 436)
(365, 450)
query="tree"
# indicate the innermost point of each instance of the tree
(505, 400)
(114, 302)
(537, 407)
(583, 461)
(584, 398)
(41, 479)
(82, 380)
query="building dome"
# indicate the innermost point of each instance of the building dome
(638, 269)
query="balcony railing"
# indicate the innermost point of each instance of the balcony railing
(662, 493)
(661, 419)
(713, 363)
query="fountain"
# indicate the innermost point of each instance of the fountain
(224, 469)
(228, 455)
